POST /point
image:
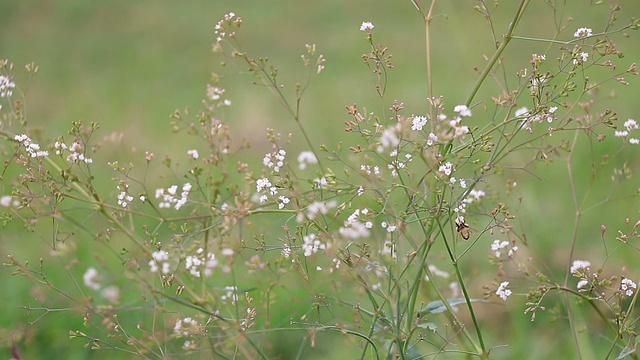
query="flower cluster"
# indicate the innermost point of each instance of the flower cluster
(502, 291)
(311, 244)
(220, 30)
(629, 126)
(275, 160)
(201, 262)
(160, 261)
(306, 158)
(6, 86)
(170, 196)
(187, 327)
(357, 225)
(76, 152)
(500, 247)
(33, 149)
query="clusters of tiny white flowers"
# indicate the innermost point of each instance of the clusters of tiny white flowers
(187, 326)
(577, 265)
(396, 164)
(462, 110)
(431, 139)
(215, 94)
(418, 123)
(195, 263)
(311, 244)
(390, 228)
(389, 139)
(583, 32)
(629, 125)
(536, 57)
(159, 258)
(264, 185)
(498, 247)
(446, 168)
(33, 149)
(90, 279)
(355, 228)
(627, 286)
(76, 152)
(170, 196)
(580, 58)
(274, 160)
(6, 86)
(219, 29)
(306, 158)
(193, 154)
(527, 118)
(368, 169)
(123, 197)
(366, 26)
(502, 291)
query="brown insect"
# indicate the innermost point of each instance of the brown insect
(463, 229)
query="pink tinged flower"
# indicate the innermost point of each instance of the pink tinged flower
(193, 154)
(627, 286)
(579, 264)
(502, 291)
(463, 110)
(634, 141)
(630, 125)
(447, 168)
(431, 139)
(418, 123)
(580, 58)
(262, 184)
(622, 133)
(583, 32)
(497, 246)
(366, 26)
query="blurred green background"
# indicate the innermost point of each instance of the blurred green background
(130, 64)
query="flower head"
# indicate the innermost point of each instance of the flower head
(366, 26)
(583, 32)
(502, 291)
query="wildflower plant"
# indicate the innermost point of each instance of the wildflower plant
(374, 243)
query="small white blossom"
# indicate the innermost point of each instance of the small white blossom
(463, 110)
(579, 264)
(583, 32)
(502, 291)
(306, 157)
(418, 123)
(193, 154)
(366, 26)
(627, 286)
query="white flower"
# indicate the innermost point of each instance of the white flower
(418, 123)
(579, 264)
(630, 125)
(583, 32)
(366, 26)
(628, 286)
(193, 153)
(502, 291)
(463, 110)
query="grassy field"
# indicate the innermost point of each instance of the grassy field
(130, 65)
